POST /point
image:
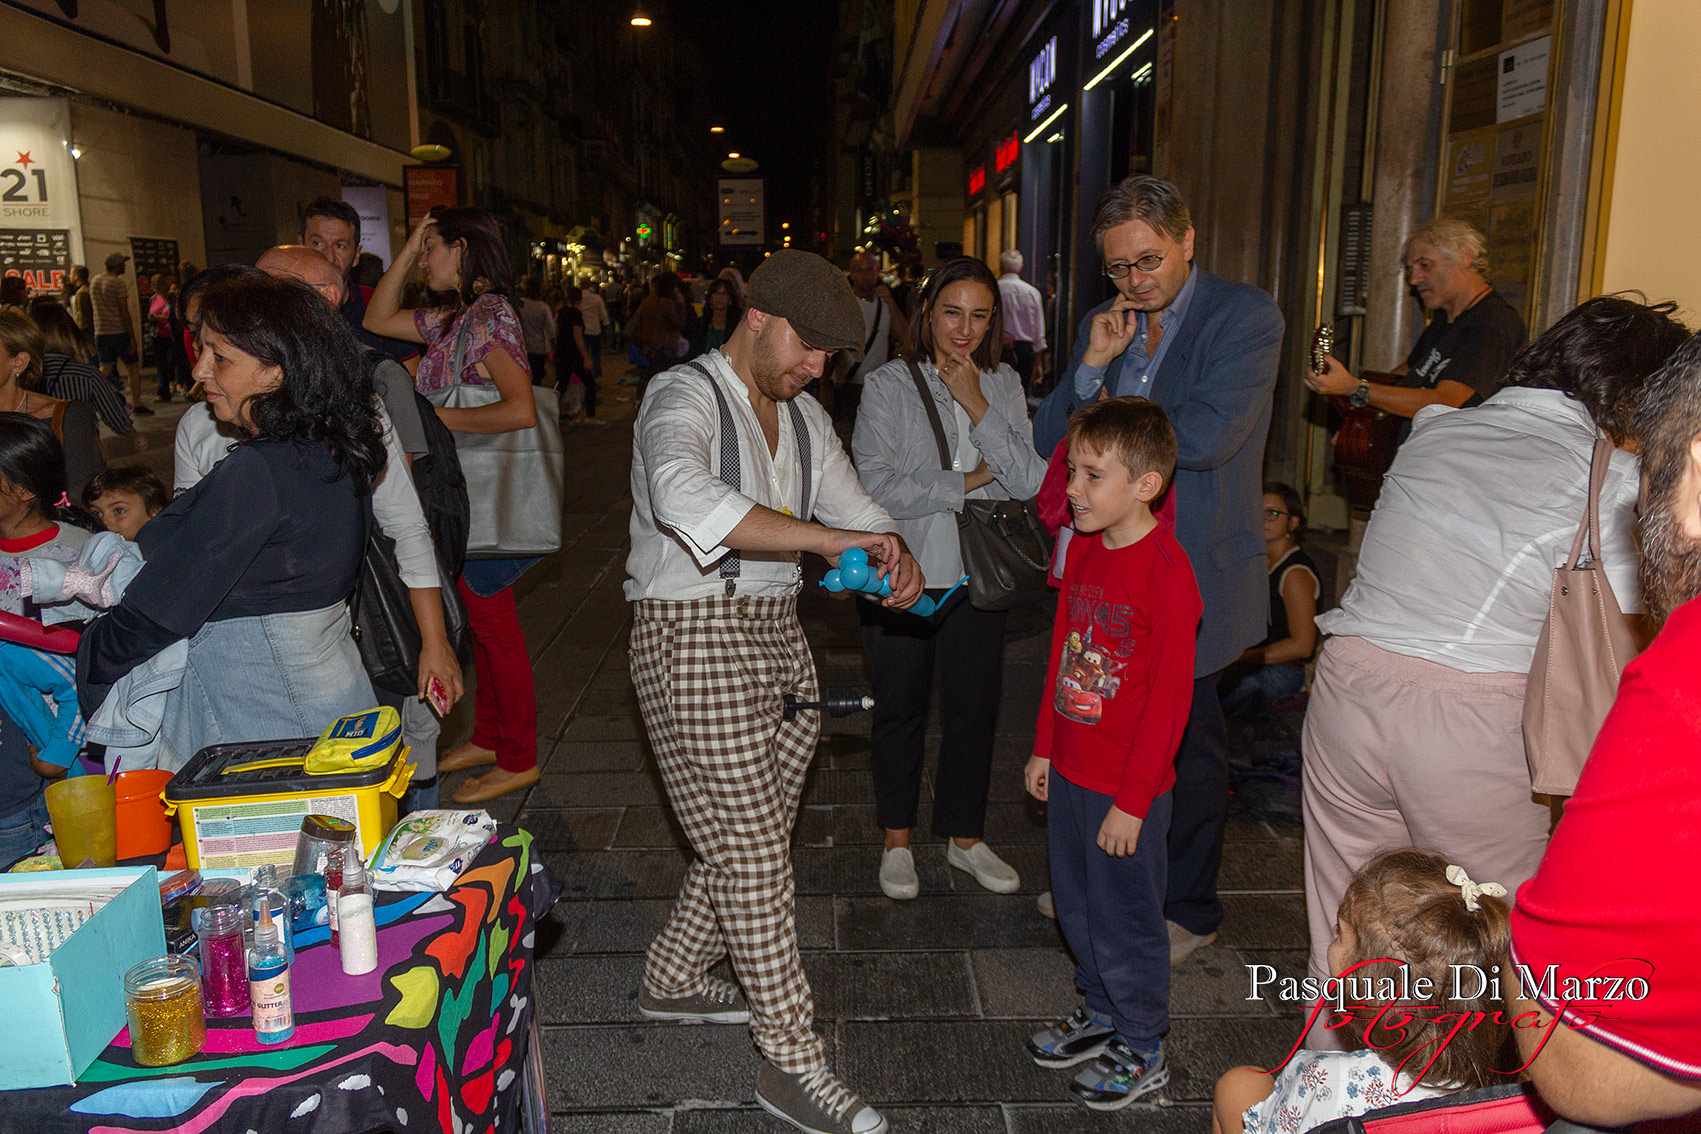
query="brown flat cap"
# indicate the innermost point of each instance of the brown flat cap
(813, 296)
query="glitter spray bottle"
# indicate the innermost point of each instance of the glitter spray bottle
(268, 981)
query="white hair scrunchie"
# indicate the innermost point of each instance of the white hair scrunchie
(1471, 891)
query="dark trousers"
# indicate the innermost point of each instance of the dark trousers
(540, 368)
(1024, 352)
(968, 647)
(594, 342)
(1111, 910)
(1201, 812)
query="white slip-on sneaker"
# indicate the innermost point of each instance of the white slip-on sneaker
(987, 868)
(897, 874)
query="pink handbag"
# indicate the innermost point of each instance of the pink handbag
(1580, 655)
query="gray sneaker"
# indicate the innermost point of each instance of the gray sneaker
(1118, 1077)
(1070, 1041)
(720, 1002)
(815, 1102)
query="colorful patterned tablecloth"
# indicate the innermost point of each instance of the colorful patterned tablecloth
(434, 1039)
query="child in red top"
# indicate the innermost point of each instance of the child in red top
(1121, 684)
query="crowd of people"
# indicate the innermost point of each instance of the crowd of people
(324, 454)
(1185, 587)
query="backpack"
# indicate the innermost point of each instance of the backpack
(383, 619)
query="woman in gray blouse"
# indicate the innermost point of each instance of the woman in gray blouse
(955, 342)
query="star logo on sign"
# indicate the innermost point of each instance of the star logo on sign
(24, 159)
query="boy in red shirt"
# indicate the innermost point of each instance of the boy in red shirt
(1121, 679)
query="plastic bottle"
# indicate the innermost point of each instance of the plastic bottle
(357, 928)
(334, 882)
(268, 981)
(266, 885)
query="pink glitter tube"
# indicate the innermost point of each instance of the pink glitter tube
(224, 961)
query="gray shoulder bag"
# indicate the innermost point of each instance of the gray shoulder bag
(514, 479)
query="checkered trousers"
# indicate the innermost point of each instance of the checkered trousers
(710, 674)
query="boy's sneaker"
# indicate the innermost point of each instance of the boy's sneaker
(815, 1102)
(720, 1002)
(1118, 1077)
(1071, 1041)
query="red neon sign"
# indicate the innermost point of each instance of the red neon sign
(1008, 151)
(977, 180)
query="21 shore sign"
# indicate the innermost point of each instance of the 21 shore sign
(41, 229)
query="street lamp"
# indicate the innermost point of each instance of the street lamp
(717, 129)
(639, 20)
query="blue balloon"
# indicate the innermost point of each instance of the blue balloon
(885, 586)
(923, 607)
(851, 556)
(854, 575)
(834, 581)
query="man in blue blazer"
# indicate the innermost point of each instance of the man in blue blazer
(1206, 350)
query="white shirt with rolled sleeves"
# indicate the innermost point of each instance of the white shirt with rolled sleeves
(1024, 310)
(681, 509)
(1479, 508)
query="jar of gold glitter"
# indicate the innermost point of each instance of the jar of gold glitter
(163, 1000)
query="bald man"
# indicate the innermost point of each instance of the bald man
(395, 385)
(202, 441)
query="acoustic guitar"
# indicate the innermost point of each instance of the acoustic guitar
(1367, 438)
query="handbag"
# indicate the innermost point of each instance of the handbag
(1005, 546)
(385, 629)
(514, 479)
(1583, 649)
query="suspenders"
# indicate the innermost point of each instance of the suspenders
(731, 467)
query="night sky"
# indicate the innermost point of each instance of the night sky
(772, 69)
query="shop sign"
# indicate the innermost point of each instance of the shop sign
(1008, 151)
(1110, 25)
(372, 202)
(426, 186)
(40, 255)
(977, 179)
(1042, 72)
(38, 191)
(742, 210)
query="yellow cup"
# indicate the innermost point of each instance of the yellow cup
(85, 824)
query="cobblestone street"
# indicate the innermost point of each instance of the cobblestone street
(924, 1005)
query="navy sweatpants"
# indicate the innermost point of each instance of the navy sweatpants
(1111, 910)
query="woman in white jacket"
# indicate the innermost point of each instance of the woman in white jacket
(953, 353)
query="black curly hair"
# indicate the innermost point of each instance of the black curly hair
(326, 394)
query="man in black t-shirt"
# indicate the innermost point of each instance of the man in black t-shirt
(1462, 355)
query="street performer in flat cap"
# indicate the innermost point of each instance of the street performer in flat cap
(732, 465)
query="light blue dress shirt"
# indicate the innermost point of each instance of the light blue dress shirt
(1138, 369)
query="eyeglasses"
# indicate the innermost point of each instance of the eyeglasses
(1147, 264)
(1275, 513)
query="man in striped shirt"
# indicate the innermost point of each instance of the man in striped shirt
(115, 331)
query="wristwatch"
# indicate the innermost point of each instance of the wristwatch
(1361, 396)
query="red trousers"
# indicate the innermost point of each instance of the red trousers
(505, 702)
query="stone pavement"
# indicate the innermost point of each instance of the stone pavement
(925, 1004)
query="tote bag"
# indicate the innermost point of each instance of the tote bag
(1580, 656)
(514, 479)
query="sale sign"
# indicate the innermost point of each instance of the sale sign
(41, 230)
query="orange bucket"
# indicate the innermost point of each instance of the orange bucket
(143, 828)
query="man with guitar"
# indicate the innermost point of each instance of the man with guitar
(1461, 357)
(1206, 350)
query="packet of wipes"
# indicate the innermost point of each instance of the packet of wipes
(428, 850)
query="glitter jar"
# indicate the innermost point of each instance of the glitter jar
(224, 961)
(162, 999)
